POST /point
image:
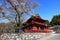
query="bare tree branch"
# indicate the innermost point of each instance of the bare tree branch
(14, 9)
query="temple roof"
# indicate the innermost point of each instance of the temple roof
(36, 18)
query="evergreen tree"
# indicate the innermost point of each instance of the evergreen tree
(55, 20)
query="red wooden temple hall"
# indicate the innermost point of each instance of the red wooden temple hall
(36, 24)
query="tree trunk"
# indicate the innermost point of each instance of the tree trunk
(19, 20)
(19, 24)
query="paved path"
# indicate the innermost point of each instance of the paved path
(56, 37)
(52, 37)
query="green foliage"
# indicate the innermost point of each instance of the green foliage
(47, 22)
(55, 20)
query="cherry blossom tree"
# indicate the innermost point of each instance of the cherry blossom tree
(13, 10)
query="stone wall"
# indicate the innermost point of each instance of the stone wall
(23, 36)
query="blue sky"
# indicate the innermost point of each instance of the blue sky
(47, 9)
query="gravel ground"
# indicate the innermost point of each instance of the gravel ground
(18, 37)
